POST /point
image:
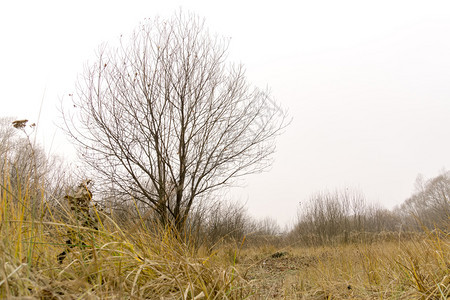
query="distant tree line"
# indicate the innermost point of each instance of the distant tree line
(346, 216)
(429, 206)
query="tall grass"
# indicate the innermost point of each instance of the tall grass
(137, 259)
(127, 261)
(404, 269)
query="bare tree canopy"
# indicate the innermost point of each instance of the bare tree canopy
(164, 119)
(431, 202)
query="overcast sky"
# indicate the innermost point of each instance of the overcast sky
(366, 82)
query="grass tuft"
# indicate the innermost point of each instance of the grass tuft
(117, 261)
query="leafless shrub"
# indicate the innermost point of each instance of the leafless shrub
(341, 217)
(226, 222)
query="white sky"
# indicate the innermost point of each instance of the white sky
(366, 82)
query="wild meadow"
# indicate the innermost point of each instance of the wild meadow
(116, 261)
(162, 124)
(138, 259)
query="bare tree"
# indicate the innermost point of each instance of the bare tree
(430, 204)
(166, 120)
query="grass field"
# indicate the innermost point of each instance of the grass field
(384, 270)
(136, 262)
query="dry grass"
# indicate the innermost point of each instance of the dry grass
(414, 269)
(128, 262)
(135, 262)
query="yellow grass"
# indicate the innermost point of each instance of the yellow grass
(135, 262)
(123, 263)
(414, 269)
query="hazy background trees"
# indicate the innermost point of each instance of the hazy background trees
(342, 216)
(429, 206)
(26, 170)
(165, 120)
(346, 215)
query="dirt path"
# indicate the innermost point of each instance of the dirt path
(276, 277)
